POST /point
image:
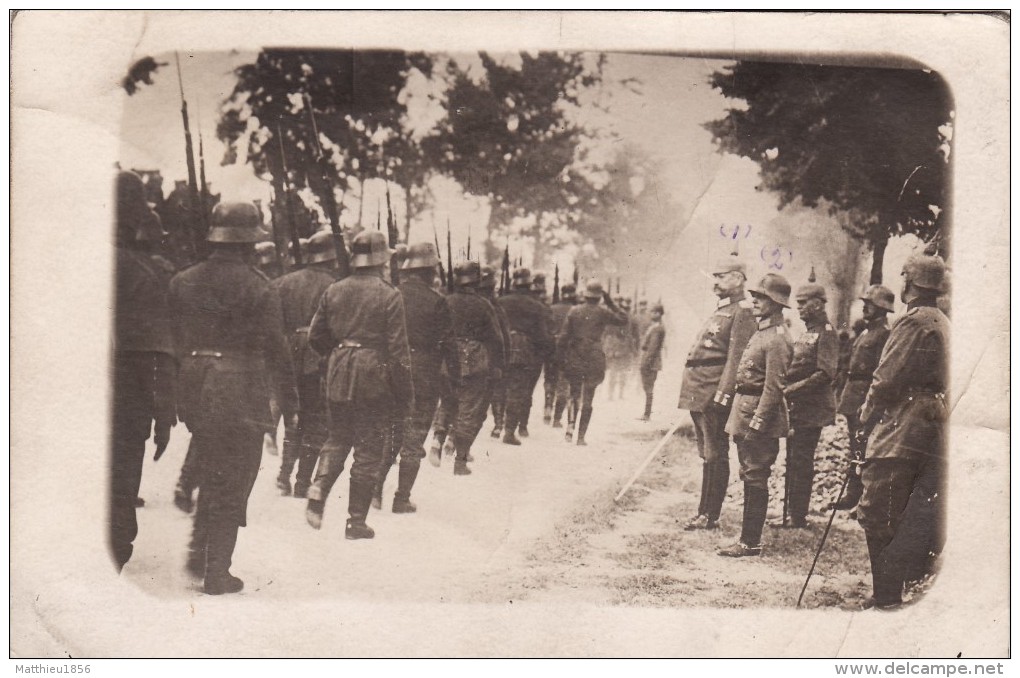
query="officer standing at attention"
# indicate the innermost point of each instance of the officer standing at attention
(580, 343)
(229, 333)
(430, 337)
(759, 417)
(360, 326)
(144, 368)
(867, 348)
(651, 357)
(530, 344)
(300, 292)
(710, 377)
(904, 420)
(810, 398)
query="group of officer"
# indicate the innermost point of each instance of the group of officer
(360, 367)
(746, 378)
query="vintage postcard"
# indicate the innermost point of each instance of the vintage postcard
(509, 334)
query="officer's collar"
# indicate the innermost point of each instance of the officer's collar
(732, 299)
(770, 321)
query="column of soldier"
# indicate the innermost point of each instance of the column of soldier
(357, 364)
(746, 378)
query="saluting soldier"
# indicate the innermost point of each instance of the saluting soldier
(144, 368)
(430, 338)
(904, 419)
(584, 363)
(360, 326)
(620, 345)
(810, 398)
(759, 417)
(878, 301)
(710, 378)
(229, 333)
(651, 357)
(530, 345)
(481, 363)
(557, 388)
(300, 292)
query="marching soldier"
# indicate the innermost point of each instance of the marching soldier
(265, 258)
(620, 345)
(710, 377)
(143, 358)
(651, 357)
(759, 417)
(481, 361)
(530, 345)
(300, 292)
(229, 331)
(360, 326)
(557, 388)
(497, 397)
(430, 337)
(584, 363)
(538, 289)
(904, 418)
(879, 301)
(810, 399)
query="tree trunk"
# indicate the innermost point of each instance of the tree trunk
(877, 259)
(407, 215)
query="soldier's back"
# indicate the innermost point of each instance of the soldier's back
(300, 292)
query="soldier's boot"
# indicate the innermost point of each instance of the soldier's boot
(648, 407)
(509, 438)
(218, 580)
(286, 467)
(406, 475)
(498, 417)
(377, 492)
(756, 505)
(558, 408)
(460, 466)
(357, 511)
(582, 425)
(798, 496)
(436, 450)
(886, 584)
(313, 513)
(700, 521)
(307, 458)
(718, 485)
(852, 496)
(547, 411)
(195, 563)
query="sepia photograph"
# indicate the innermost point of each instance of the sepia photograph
(509, 334)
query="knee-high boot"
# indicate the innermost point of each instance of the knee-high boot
(720, 483)
(706, 488)
(756, 504)
(582, 425)
(886, 583)
(357, 510)
(406, 476)
(219, 552)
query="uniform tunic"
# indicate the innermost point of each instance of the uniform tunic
(360, 325)
(809, 395)
(229, 334)
(864, 357)
(531, 344)
(651, 354)
(580, 342)
(902, 508)
(711, 368)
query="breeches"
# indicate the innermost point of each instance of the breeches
(472, 402)
(228, 456)
(710, 432)
(757, 455)
(520, 387)
(362, 427)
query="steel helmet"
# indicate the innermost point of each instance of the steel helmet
(420, 255)
(522, 279)
(467, 273)
(265, 252)
(593, 290)
(926, 271)
(775, 287)
(881, 297)
(487, 278)
(235, 222)
(568, 292)
(135, 219)
(320, 248)
(369, 249)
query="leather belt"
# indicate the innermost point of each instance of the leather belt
(705, 362)
(750, 390)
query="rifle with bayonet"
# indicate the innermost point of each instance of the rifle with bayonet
(197, 244)
(287, 201)
(439, 255)
(394, 238)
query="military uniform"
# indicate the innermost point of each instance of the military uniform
(812, 404)
(583, 362)
(430, 338)
(710, 377)
(481, 362)
(556, 314)
(758, 420)
(651, 361)
(360, 326)
(530, 346)
(300, 292)
(498, 385)
(620, 344)
(229, 330)
(903, 474)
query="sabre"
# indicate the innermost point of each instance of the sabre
(648, 460)
(825, 534)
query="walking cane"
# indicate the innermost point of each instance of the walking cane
(648, 460)
(825, 534)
